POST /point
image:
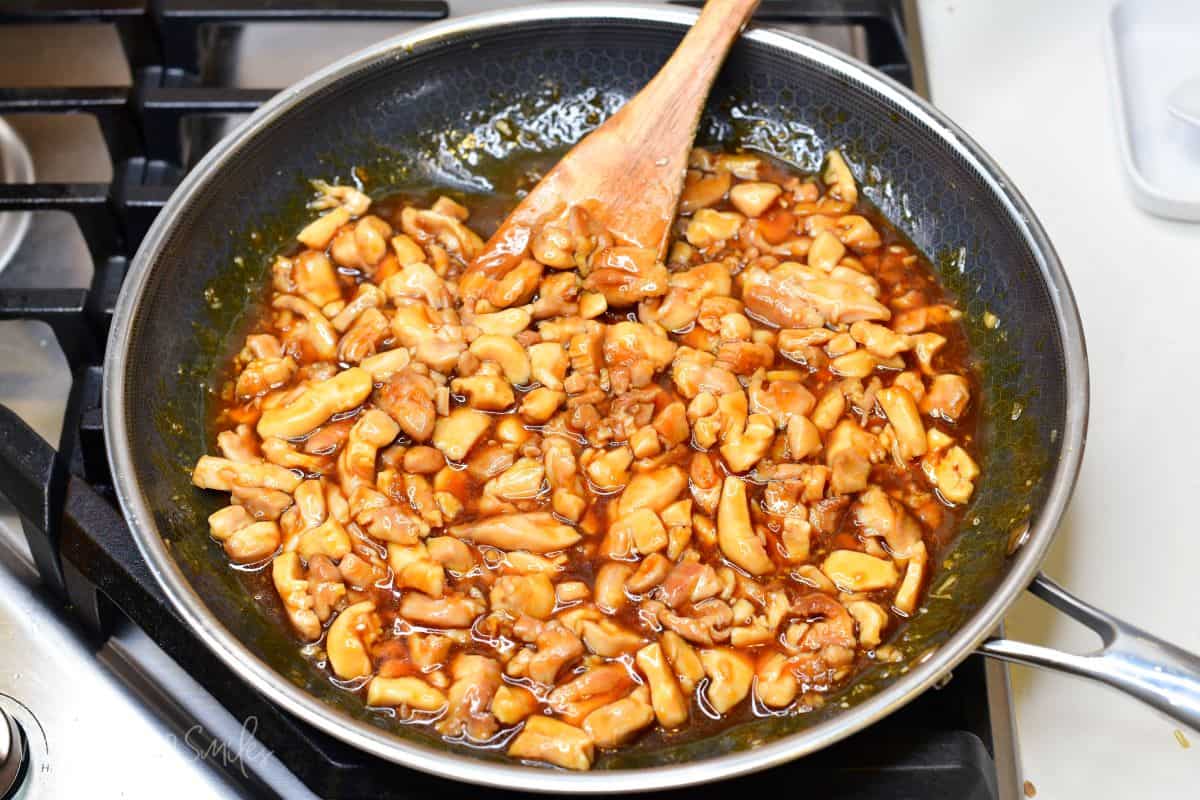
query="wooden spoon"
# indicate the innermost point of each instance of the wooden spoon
(628, 173)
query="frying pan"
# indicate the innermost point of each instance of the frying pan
(455, 105)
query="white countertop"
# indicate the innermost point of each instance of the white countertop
(1028, 80)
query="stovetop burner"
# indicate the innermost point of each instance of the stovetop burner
(156, 82)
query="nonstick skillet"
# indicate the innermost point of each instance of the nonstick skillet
(420, 110)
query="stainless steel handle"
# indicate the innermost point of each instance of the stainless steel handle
(1156, 672)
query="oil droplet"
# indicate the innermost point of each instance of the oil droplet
(1016, 411)
(990, 320)
(1181, 737)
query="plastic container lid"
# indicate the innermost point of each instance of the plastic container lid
(1153, 47)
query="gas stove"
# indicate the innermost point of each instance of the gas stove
(104, 105)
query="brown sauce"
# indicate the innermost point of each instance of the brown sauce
(905, 281)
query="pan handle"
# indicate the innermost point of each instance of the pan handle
(1132, 661)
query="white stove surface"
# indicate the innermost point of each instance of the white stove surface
(96, 720)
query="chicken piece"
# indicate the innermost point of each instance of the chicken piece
(318, 335)
(906, 597)
(953, 473)
(797, 296)
(650, 573)
(511, 704)
(516, 287)
(548, 364)
(695, 371)
(590, 690)
(782, 400)
(902, 413)
(871, 620)
(730, 674)
(638, 533)
(451, 611)
(349, 639)
(626, 275)
(404, 692)
(849, 453)
(530, 595)
(737, 538)
(852, 571)
(356, 465)
(709, 227)
(744, 439)
(524, 480)
(418, 282)
(428, 225)
(349, 198)
(839, 179)
(753, 198)
(609, 586)
(434, 337)
(916, 320)
(703, 189)
(608, 639)
(653, 490)
(557, 648)
(683, 660)
(457, 433)
(881, 516)
(222, 474)
(555, 742)
(879, 339)
(634, 353)
(408, 398)
(666, 698)
(264, 374)
(476, 679)
(608, 470)
(828, 635)
(538, 532)
(293, 588)
(616, 723)
(947, 398)
(687, 291)
(707, 624)
(690, 582)
(263, 504)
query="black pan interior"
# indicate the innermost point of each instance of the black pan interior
(451, 115)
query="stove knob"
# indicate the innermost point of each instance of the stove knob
(12, 756)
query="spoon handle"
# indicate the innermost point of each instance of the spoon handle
(659, 123)
(628, 173)
(685, 80)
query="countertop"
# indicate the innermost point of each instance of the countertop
(1028, 80)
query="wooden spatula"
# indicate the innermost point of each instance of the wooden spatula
(628, 173)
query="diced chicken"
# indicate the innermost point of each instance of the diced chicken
(538, 532)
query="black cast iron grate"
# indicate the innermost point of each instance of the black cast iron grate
(938, 746)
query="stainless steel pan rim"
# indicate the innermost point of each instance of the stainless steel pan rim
(380, 743)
